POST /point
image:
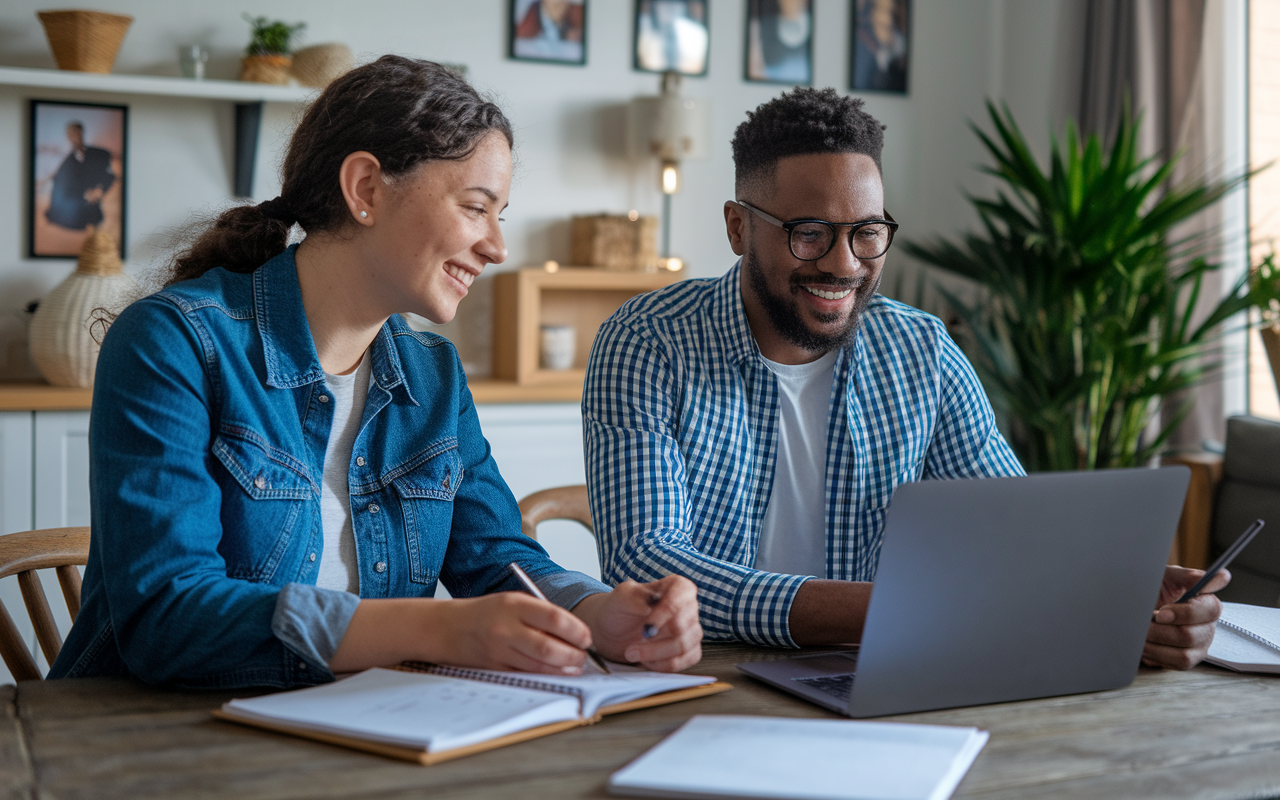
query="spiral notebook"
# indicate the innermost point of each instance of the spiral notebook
(430, 713)
(1247, 639)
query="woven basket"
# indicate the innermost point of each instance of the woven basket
(61, 343)
(615, 242)
(265, 69)
(318, 65)
(85, 41)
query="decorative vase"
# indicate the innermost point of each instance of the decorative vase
(318, 65)
(85, 41)
(63, 346)
(271, 68)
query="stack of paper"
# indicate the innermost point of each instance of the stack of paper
(1247, 639)
(813, 759)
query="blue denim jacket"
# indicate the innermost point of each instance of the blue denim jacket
(207, 443)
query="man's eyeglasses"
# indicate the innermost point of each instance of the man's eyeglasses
(811, 239)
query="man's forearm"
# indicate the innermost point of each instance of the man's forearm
(829, 612)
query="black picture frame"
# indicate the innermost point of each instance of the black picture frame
(61, 209)
(662, 24)
(881, 46)
(778, 42)
(531, 39)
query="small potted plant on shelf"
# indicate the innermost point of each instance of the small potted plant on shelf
(267, 58)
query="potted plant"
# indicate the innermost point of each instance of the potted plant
(267, 57)
(1084, 322)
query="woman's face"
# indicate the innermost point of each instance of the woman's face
(439, 230)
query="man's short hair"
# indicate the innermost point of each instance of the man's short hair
(797, 123)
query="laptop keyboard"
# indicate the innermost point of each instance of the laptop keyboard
(838, 686)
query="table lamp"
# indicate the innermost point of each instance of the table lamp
(671, 128)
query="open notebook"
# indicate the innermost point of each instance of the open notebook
(1247, 639)
(429, 713)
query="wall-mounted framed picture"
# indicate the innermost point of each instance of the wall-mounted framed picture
(77, 176)
(672, 36)
(881, 45)
(779, 41)
(552, 31)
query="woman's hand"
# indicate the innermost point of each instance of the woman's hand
(1180, 633)
(506, 630)
(666, 610)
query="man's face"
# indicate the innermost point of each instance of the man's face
(799, 310)
(75, 135)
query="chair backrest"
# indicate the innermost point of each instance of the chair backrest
(1250, 490)
(562, 502)
(21, 554)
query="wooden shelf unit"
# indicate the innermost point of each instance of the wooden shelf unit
(584, 297)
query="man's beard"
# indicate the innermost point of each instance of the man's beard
(784, 310)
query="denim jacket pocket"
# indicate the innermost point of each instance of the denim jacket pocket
(426, 493)
(264, 496)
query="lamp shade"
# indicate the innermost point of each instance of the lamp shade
(669, 127)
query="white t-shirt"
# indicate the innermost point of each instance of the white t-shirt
(793, 539)
(347, 393)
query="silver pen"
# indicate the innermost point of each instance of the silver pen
(532, 588)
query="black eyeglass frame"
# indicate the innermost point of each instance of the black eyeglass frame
(853, 227)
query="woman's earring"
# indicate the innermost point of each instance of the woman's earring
(364, 215)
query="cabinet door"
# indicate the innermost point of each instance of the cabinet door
(539, 446)
(15, 472)
(61, 492)
(61, 469)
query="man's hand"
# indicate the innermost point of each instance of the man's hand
(1180, 633)
(653, 624)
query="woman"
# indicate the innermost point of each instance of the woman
(268, 438)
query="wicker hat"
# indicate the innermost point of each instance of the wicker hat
(318, 65)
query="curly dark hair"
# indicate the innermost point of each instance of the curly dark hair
(404, 111)
(797, 123)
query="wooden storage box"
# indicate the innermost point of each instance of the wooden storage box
(526, 299)
(616, 242)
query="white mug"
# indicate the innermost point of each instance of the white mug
(559, 344)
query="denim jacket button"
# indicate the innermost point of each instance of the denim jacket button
(373, 508)
(381, 566)
(359, 461)
(260, 482)
(312, 556)
(302, 665)
(324, 398)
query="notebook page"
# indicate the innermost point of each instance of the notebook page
(410, 709)
(1259, 620)
(811, 759)
(1233, 649)
(598, 689)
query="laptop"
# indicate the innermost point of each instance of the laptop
(1001, 589)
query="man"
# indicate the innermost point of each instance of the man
(80, 183)
(748, 431)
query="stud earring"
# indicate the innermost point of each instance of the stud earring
(364, 215)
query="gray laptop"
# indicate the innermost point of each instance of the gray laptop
(1002, 589)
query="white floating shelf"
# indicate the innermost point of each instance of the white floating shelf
(238, 91)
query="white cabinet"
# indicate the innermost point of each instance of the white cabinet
(539, 446)
(44, 483)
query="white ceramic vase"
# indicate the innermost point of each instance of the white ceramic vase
(62, 345)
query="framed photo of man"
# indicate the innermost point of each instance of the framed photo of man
(77, 171)
(881, 45)
(780, 41)
(553, 31)
(672, 36)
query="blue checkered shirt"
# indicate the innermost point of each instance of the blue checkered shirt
(680, 427)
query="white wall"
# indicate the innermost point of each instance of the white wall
(569, 121)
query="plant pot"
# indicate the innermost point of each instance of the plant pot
(85, 41)
(1271, 340)
(61, 339)
(266, 69)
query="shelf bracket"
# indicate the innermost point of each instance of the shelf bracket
(248, 123)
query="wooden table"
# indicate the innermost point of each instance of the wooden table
(1204, 734)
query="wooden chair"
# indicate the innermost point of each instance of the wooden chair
(562, 502)
(22, 554)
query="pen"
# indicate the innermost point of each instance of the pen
(1224, 559)
(532, 588)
